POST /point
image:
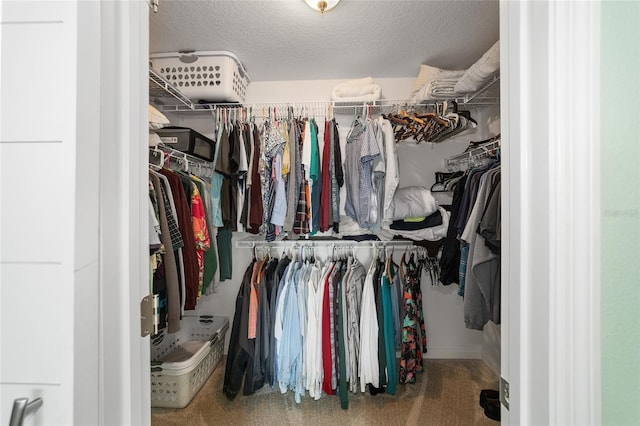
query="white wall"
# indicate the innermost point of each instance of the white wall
(447, 335)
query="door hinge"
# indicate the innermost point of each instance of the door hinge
(146, 316)
(153, 5)
(504, 392)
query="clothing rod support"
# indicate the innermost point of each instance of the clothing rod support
(480, 151)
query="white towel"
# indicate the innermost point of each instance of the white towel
(430, 74)
(362, 89)
(438, 89)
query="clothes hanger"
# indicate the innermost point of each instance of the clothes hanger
(442, 178)
(157, 153)
(466, 114)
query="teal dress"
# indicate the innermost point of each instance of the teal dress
(389, 335)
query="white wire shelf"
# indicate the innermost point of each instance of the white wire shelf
(164, 95)
(489, 94)
(168, 98)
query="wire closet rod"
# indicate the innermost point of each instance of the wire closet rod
(251, 243)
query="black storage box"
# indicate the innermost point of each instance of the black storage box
(188, 140)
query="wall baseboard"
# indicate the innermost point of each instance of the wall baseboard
(491, 363)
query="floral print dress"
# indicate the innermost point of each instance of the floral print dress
(414, 339)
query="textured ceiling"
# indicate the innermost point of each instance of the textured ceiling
(286, 40)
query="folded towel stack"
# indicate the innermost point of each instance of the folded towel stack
(362, 89)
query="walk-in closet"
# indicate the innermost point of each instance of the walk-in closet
(361, 147)
(340, 212)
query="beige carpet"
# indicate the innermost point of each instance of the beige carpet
(445, 394)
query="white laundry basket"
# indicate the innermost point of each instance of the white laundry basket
(182, 362)
(212, 76)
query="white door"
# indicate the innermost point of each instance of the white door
(73, 247)
(37, 207)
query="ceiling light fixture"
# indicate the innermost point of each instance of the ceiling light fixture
(322, 5)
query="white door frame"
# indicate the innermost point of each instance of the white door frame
(550, 105)
(551, 204)
(124, 233)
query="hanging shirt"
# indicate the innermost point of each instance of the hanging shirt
(176, 236)
(273, 143)
(378, 170)
(243, 167)
(291, 345)
(263, 337)
(200, 233)
(342, 334)
(238, 354)
(389, 334)
(279, 210)
(216, 181)
(392, 171)
(301, 222)
(325, 195)
(313, 341)
(171, 274)
(210, 258)
(397, 299)
(272, 292)
(306, 167)
(355, 283)
(154, 230)
(286, 159)
(186, 228)
(315, 177)
(256, 212)
(254, 300)
(328, 334)
(283, 287)
(369, 152)
(382, 353)
(337, 175)
(368, 369)
(310, 332)
(223, 167)
(482, 295)
(352, 173)
(294, 177)
(450, 257)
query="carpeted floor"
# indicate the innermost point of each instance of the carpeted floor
(445, 394)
